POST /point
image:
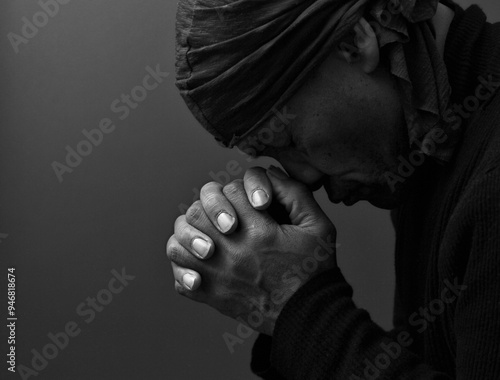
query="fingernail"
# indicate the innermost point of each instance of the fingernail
(259, 198)
(277, 172)
(188, 280)
(225, 221)
(201, 247)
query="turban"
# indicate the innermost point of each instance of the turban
(239, 61)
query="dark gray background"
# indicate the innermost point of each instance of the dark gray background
(117, 208)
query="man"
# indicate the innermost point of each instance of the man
(386, 101)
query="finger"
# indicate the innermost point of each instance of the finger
(188, 278)
(218, 209)
(298, 200)
(258, 188)
(192, 239)
(181, 256)
(248, 217)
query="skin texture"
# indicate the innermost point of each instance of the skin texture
(257, 268)
(348, 127)
(348, 145)
(347, 131)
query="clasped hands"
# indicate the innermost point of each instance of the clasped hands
(228, 252)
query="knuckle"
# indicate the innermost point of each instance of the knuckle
(179, 222)
(254, 174)
(261, 233)
(171, 241)
(174, 253)
(233, 188)
(209, 189)
(194, 213)
(212, 202)
(185, 234)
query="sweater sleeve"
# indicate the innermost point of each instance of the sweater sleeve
(321, 334)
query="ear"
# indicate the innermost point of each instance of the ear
(366, 52)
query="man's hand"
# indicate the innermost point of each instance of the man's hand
(244, 262)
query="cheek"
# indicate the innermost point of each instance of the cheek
(343, 146)
(352, 127)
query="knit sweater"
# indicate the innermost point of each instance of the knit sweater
(447, 259)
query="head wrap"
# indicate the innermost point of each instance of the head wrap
(238, 61)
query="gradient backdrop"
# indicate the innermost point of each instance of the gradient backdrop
(116, 208)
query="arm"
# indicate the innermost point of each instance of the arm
(253, 267)
(318, 332)
(321, 334)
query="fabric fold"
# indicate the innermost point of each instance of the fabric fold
(238, 61)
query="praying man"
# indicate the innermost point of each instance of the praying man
(394, 102)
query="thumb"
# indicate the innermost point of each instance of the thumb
(298, 200)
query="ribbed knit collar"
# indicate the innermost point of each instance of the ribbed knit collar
(472, 49)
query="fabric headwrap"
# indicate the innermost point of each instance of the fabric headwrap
(239, 61)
